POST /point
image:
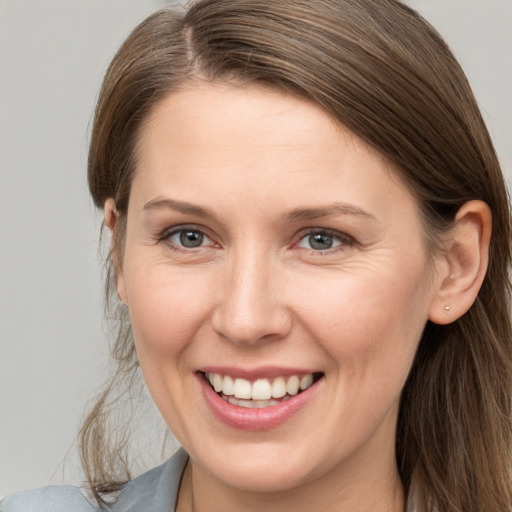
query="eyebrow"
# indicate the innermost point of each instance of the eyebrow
(325, 211)
(295, 215)
(180, 206)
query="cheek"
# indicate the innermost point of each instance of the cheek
(167, 310)
(167, 307)
(369, 320)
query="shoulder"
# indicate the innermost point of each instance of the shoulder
(53, 498)
(156, 490)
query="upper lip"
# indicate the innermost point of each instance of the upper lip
(252, 374)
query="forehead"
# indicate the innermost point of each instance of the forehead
(214, 140)
(217, 114)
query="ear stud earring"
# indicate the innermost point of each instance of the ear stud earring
(447, 308)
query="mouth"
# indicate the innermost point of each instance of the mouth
(261, 393)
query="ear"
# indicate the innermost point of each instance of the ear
(462, 266)
(111, 221)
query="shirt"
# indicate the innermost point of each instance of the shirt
(156, 490)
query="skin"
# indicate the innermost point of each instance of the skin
(256, 294)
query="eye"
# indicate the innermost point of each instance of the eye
(188, 238)
(323, 240)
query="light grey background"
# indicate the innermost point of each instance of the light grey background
(52, 58)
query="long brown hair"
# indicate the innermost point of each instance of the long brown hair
(382, 71)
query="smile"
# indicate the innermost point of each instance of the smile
(261, 393)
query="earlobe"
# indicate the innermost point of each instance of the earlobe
(111, 214)
(111, 221)
(461, 272)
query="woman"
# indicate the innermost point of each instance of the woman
(311, 241)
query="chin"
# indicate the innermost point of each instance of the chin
(261, 477)
(260, 467)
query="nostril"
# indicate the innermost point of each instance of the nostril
(251, 307)
(257, 326)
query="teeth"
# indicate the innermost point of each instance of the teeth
(251, 404)
(305, 382)
(260, 393)
(243, 388)
(278, 387)
(228, 386)
(261, 390)
(217, 382)
(292, 386)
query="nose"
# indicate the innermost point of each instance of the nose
(252, 308)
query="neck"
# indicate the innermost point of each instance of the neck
(372, 488)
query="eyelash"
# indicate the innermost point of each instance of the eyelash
(180, 230)
(340, 240)
(343, 240)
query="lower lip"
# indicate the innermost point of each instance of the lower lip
(244, 418)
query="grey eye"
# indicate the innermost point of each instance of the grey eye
(320, 241)
(188, 238)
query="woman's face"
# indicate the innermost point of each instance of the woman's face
(268, 249)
